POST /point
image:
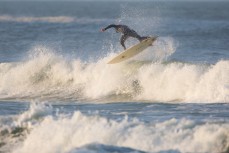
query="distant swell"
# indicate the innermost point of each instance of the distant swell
(51, 19)
(47, 19)
(47, 76)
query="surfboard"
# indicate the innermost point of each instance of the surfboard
(132, 51)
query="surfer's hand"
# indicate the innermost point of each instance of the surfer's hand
(102, 30)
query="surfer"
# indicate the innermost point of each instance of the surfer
(126, 33)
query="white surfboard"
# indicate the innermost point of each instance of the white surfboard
(132, 51)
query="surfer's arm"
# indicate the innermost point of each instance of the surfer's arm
(108, 27)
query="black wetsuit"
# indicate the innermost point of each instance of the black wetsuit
(127, 32)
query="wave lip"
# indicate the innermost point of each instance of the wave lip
(27, 19)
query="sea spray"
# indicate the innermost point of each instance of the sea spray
(160, 51)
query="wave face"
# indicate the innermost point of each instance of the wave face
(48, 76)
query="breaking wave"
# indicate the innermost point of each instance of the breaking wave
(48, 76)
(36, 130)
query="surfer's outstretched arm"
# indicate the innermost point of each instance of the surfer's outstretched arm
(108, 27)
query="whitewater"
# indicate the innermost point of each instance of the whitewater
(54, 77)
(59, 95)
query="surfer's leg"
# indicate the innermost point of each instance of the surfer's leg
(134, 34)
(123, 39)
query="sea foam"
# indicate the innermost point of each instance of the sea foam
(79, 131)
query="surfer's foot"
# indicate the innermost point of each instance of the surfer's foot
(143, 38)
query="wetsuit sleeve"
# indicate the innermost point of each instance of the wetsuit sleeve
(111, 26)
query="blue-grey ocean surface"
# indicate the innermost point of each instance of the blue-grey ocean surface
(59, 95)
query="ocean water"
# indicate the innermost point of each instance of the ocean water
(59, 95)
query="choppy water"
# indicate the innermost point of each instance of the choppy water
(58, 94)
